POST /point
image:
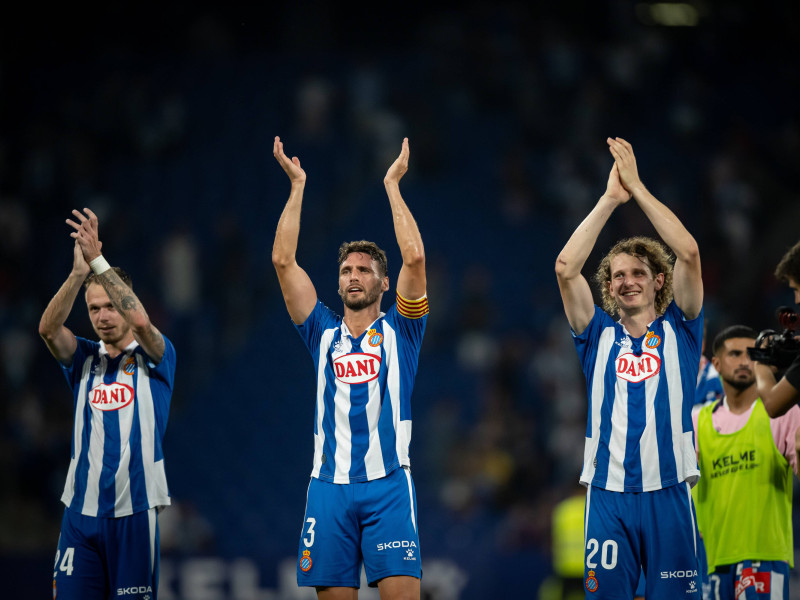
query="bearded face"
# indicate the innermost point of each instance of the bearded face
(360, 283)
(734, 364)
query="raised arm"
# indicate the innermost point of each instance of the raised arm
(575, 291)
(59, 339)
(298, 291)
(125, 302)
(687, 280)
(778, 396)
(411, 281)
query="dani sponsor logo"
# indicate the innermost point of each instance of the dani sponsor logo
(357, 367)
(637, 368)
(111, 396)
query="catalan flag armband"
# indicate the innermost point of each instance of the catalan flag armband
(412, 309)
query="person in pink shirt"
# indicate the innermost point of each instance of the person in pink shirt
(729, 357)
(764, 568)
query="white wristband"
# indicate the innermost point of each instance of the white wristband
(99, 265)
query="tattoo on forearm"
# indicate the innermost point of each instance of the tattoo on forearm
(116, 290)
(107, 280)
(125, 301)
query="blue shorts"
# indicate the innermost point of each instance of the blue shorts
(750, 580)
(627, 532)
(99, 558)
(702, 571)
(374, 522)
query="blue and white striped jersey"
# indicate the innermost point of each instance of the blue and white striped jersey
(639, 433)
(121, 407)
(362, 418)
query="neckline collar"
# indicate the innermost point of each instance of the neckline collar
(104, 351)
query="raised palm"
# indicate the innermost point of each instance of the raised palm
(290, 166)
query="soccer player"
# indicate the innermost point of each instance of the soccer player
(640, 372)
(779, 396)
(121, 388)
(746, 460)
(361, 503)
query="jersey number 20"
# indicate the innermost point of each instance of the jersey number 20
(608, 556)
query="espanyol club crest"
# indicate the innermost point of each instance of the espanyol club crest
(591, 582)
(357, 367)
(109, 397)
(305, 561)
(374, 338)
(651, 340)
(130, 366)
(637, 368)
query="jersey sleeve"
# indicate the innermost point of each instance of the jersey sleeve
(165, 369)
(689, 330)
(587, 341)
(84, 349)
(320, 319)
(410, 317)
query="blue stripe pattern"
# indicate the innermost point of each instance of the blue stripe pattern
(627, 401)
(100, 498)
(390, 345)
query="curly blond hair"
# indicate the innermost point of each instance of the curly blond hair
(651, 252)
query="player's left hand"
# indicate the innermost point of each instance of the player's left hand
(399, 166)
(86, 233)
(622, 152)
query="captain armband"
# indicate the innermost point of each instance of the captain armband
(412, 309)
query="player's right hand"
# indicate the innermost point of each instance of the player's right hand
(292, 167)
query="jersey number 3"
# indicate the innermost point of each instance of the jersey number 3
(308, 539)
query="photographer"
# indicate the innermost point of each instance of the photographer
(778, 397)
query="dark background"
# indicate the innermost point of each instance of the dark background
(161, 119)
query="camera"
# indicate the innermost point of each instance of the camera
(778, 349)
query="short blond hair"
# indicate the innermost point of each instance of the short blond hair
(651, 252)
